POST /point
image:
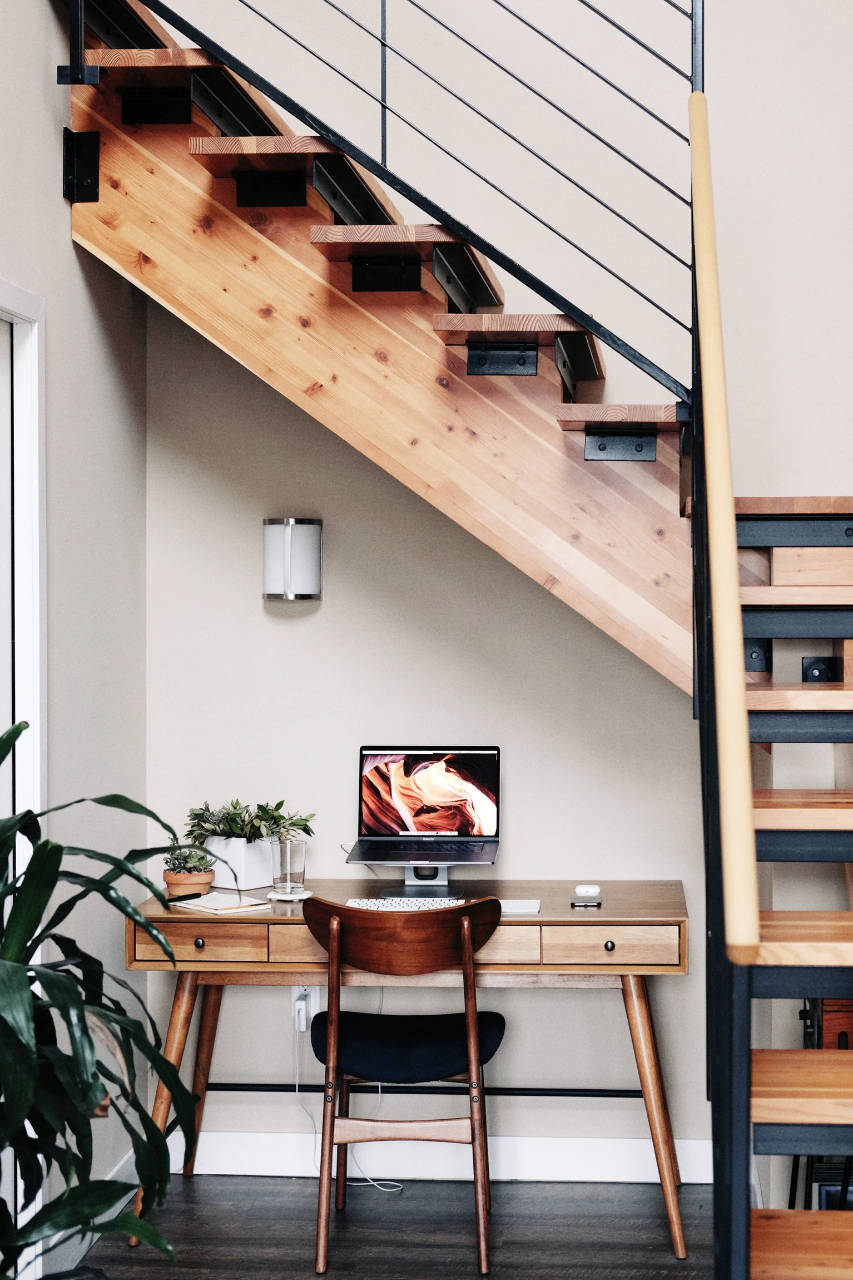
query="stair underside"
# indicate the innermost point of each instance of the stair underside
(606, 539)
(796, 1244)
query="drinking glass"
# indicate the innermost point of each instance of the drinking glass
(288, 866)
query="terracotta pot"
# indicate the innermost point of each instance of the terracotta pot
(178, 882)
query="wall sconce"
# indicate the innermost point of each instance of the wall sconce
(293, 558)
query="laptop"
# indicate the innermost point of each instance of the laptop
(427, 806)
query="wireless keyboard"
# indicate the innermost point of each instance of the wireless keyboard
(403, 904)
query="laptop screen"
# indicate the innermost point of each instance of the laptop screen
(429, 791)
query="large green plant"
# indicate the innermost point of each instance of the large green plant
(67, 1044)
(241, 821)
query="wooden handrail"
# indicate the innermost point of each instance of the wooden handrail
(737, 834)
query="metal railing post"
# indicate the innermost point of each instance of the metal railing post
(77, 72)
(383, 82)
(697, 22)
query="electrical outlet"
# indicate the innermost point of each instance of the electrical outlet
(305, 1002)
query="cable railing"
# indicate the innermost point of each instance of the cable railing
(664, 322)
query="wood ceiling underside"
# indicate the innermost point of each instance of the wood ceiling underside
(606, 538)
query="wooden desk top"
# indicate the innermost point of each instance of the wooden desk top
(622, 901)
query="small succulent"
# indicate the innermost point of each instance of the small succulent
(180, 858)
(245, 823)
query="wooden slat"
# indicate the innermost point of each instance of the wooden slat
(358, 1130)
(808, 596)
(826, 506)
(223, 157)
(797, 1244)
(811, 566)
(340, 243)
(806, 938)
(574, 417)
(607, 540)
(843, 649)
(796, 809)
(800, 697)
(150, 58)
(801, 1086)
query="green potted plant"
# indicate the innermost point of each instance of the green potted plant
(68, 1044)
(187, 869)
(241, 838)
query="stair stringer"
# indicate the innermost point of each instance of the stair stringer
(606, 538)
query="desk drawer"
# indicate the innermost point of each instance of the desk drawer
(512, 944)
(632, 944)
(219, 942)
(294, 944)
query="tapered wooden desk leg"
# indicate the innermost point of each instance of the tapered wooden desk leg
(211, 1000)
(654, 1096)
(183, 1005)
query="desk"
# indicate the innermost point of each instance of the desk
(640, 930)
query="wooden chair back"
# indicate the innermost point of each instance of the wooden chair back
(404, 943)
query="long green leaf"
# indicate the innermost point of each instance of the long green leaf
(105, 890)
(127, 1224)
(63, 993)
(113, 801)
(122, 867)
(31, 900)
(16, 1002)
(9, 737)
(75, 1210)
(18, 1080)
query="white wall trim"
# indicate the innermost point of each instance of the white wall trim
(511, 1159)
(26, 312)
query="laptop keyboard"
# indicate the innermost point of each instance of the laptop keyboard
(431, 847)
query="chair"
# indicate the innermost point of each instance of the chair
(402, 1050)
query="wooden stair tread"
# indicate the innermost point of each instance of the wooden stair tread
(575, 417)
(806, 938)
(808, 596)
(799, 1244)
(796, 809)
(455, 329)
(340, 243)
(223, 157)
(154, 58)
(793, 506)
(802, 1086)
(799, 697)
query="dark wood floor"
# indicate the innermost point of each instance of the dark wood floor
(251, 1227)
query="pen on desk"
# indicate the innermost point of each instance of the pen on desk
(185, 897)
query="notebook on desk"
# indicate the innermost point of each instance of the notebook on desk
(427, 805)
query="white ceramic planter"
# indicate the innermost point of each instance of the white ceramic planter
(251, 863)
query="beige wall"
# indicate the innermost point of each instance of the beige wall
(423, 634)
(95, 369)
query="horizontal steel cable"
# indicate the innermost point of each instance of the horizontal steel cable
(574, 57)
(475, 173)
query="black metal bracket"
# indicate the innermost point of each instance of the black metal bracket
(758, 655)
(386, 275)
(80, 166)
(804, 846)
(822, 670)
(460, 276)
(574, 361)
(277, 190)
(619, 446)
(801, 726)
(831, 622)
(504, 359)
(158, 106)
(795, 531)
(349, 198)
(77, 72)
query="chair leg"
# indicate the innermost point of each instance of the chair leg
(341, 1172)
(485, 1143)
(325, 1192)
(481, 1176)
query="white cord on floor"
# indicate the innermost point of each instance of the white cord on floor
(382, 1184)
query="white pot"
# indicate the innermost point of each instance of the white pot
(250, 863)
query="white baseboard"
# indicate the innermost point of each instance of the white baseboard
(295, 1155)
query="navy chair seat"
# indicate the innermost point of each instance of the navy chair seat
(408, 1048)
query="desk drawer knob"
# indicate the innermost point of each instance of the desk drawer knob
(199, 944)
(609, 945)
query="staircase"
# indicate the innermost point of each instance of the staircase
(766, 570)
(284, 250)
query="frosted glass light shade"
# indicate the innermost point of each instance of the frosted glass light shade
(293, 558)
